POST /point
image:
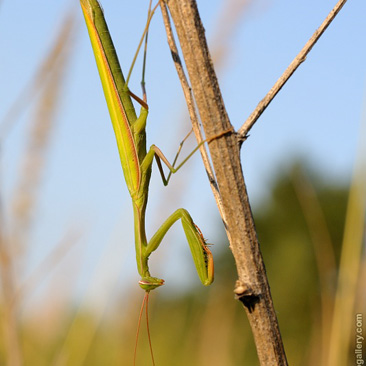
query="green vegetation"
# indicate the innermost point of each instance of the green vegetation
(206, 326)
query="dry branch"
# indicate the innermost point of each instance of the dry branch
(252, 287)
(298, 60)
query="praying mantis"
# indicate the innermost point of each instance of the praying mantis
(136, 160)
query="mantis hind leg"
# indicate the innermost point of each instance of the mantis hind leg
(201, 254)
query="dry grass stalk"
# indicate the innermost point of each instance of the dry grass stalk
(231, 17)
(323, 250)
(350, 263)
(24, 198)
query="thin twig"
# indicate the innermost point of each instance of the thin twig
(191, 108)
(299, 59)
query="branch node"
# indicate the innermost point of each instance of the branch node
(247, 295)
(241, 138)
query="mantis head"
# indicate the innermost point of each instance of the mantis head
(150, 283)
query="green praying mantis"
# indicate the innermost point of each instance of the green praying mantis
(136, 161)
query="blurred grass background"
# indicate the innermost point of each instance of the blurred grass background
(206, 326)
(310, 225)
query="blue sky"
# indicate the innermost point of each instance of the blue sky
(316, 116)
